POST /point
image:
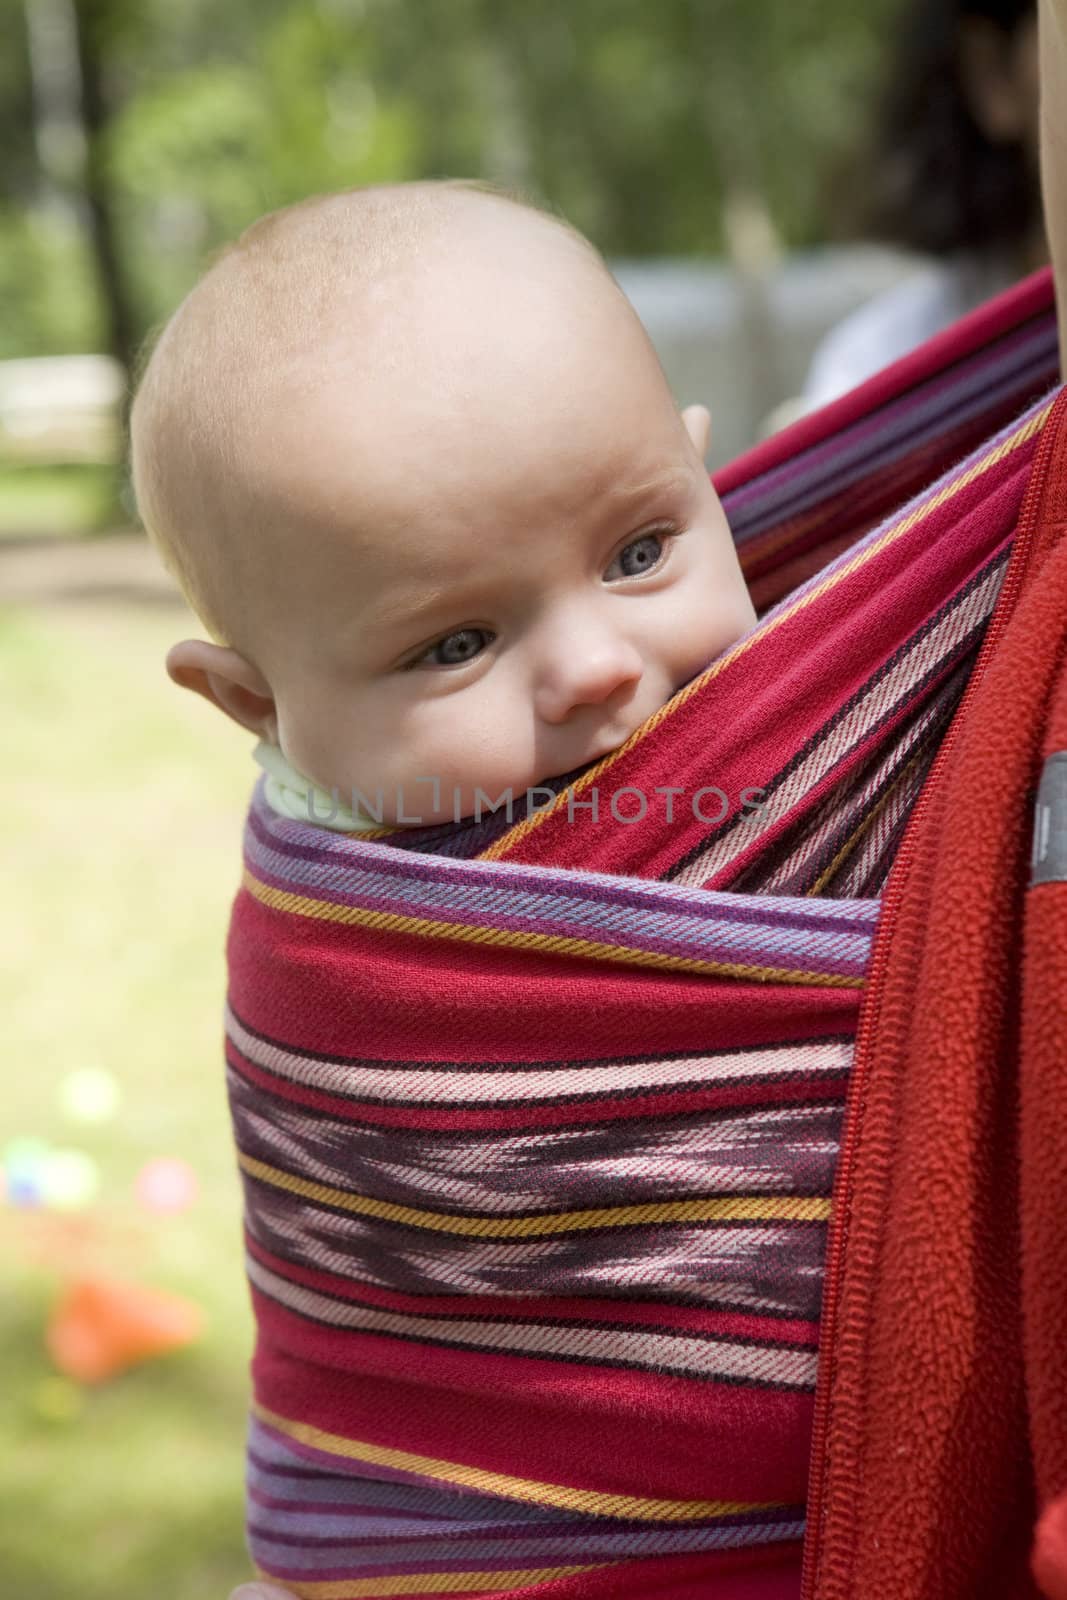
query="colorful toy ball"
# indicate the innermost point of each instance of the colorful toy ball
(69, 1179)
(24, 1168)
(166, 1184)
(101, 1326)
(89, 1095)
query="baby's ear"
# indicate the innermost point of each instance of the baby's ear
(228, 681)
(697, 421)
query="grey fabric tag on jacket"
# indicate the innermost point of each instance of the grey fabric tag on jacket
(1048, 860)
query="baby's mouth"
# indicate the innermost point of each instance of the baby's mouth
(607, 739)
(606, 745)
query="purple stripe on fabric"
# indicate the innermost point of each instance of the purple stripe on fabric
(586, 1548)
(770, 513)
(510, 1548)
(307, 1541)
(935, 398)
(263, 1432)
(999, 553)
(293, 1485)
(826, 961)
(747, 538)
(279, 1508)
(324, 1514)
(1032, 346)
(343, 1491)
(312, 1529)
(273, 832)
(475, 1510)
(665, 931)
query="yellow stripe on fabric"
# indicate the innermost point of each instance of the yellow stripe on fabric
(728, 1208)
(549, 943)
(590, 1502)
(1014, 442)
(423, 1582)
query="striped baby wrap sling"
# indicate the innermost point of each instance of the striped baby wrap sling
(540, 1116)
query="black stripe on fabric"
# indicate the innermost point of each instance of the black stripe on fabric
(431, 1498)
(745, 1341)
(793, 855)
(826, 1076)
(570, 1359)
(939, 669)
(1020, 383)
(829, 1080)
(414, 1064)
(879, 487)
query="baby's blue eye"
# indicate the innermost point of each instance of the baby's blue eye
(458, 647)
(640, 556)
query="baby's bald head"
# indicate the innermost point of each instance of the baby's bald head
(416, 464)
(337, 290)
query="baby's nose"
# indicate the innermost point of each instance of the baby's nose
(585, 672)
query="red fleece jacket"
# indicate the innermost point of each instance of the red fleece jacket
(943, 1436)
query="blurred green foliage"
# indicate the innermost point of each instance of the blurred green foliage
(137, 1493)
(638, 122)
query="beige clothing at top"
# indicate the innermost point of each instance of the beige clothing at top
(292, 795)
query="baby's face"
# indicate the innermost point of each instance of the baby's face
(493, 575)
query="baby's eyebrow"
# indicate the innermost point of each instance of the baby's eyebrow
(406, 610)
(388, 631)
(629, 495)
(661, 483)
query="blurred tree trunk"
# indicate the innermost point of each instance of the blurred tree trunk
(732, 147)
(55, 98)
(507, 157)
(94, 22)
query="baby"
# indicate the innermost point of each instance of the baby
(413, 460)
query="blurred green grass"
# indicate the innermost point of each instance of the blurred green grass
(124, 805)
(77, 497)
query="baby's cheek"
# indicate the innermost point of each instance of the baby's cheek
(430, 741)
(698, 636)
(723, 611)
(480, 738)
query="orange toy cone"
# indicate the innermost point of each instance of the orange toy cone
(101, 1326)
(1049, 1560)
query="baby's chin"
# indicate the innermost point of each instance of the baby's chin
(418, 803)
(589, 754)
(527, 783)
